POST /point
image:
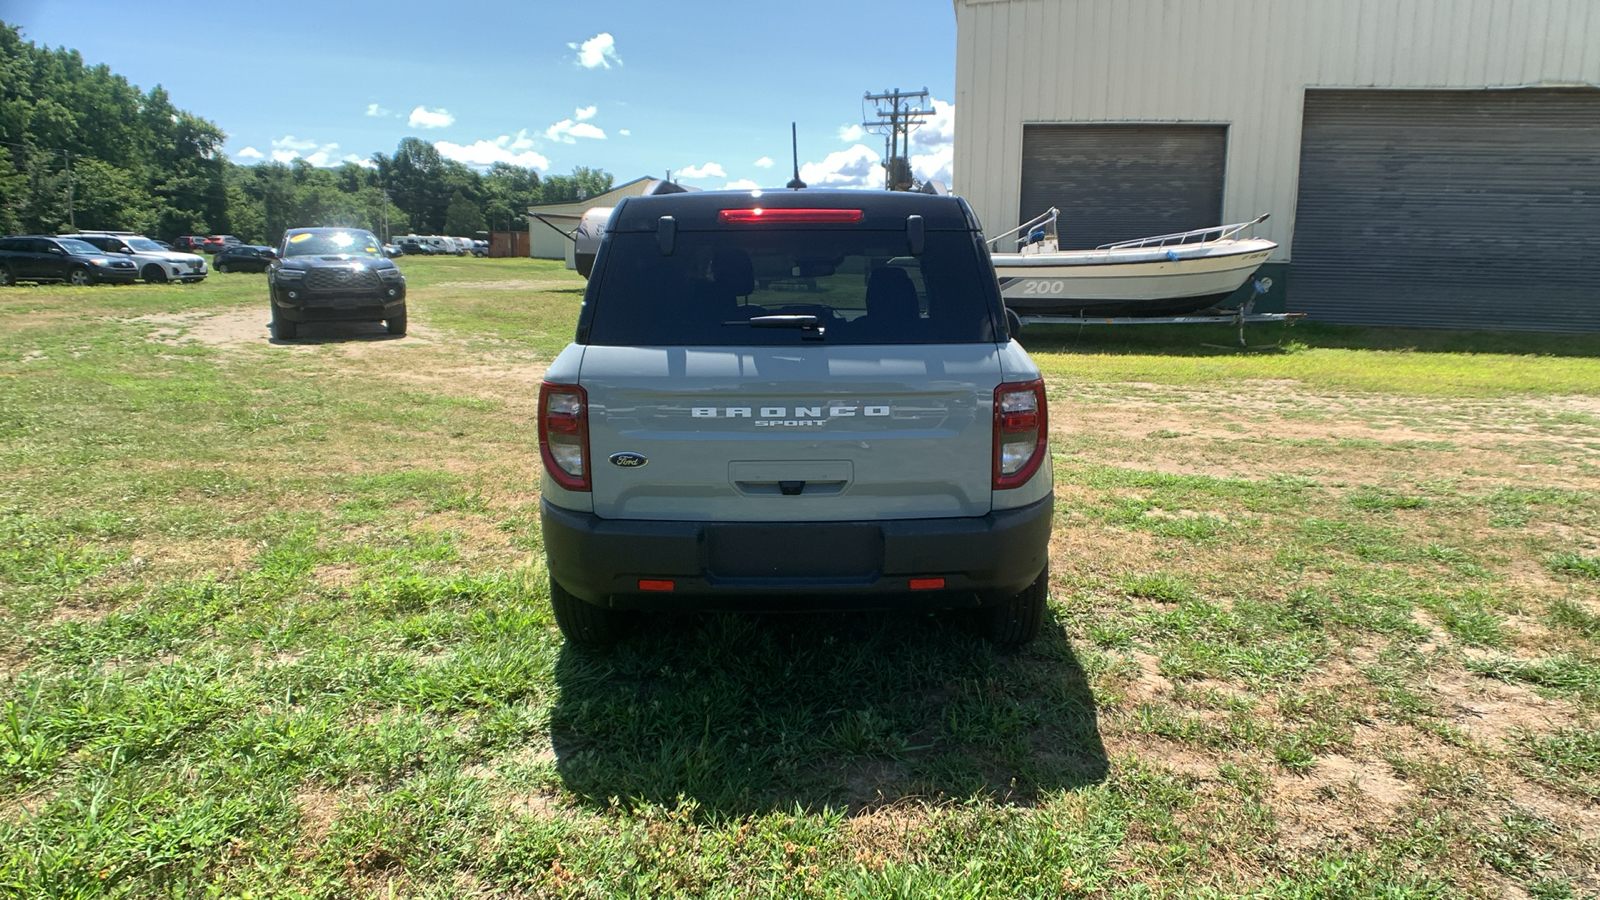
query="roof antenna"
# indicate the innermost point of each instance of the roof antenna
(795, 184)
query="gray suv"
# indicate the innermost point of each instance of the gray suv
(797, 400)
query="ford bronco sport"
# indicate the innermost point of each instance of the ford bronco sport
(794, 400)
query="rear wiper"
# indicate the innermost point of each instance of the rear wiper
(811, 326)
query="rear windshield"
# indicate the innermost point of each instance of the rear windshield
(860, 286)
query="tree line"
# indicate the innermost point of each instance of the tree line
(82, 149)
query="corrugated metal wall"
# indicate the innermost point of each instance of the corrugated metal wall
(1117, 182)
(1461, 209)
(1243, 62)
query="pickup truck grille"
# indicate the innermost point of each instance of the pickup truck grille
(340, 279)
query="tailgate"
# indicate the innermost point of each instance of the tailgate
(774, 434)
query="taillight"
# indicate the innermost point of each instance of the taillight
(790, 216)
(564, 434)
(1021, 430)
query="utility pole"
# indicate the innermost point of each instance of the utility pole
(897, 118)
(385, 215)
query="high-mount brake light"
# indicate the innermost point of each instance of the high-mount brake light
(790, 216)
(1021, 430)
(564, 434)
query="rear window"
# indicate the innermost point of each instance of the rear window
(860, 286)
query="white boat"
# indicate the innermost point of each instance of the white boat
(1163, 275)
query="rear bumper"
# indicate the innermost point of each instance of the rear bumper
(813, 565)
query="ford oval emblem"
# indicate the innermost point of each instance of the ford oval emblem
(628, 460)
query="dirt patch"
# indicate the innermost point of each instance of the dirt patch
(1496, 714)
(886, 833)
(253, 328)
(319, 809)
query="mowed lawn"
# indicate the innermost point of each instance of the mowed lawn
(274, 623)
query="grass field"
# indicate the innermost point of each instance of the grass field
(1325, 624)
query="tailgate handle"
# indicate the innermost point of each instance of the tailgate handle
(792, 488)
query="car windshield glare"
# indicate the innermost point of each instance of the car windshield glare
(144, 244)
(75, 246)
(332, 243)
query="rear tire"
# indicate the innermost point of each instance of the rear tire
(6, 278)
(584, 623)
(282, 328)
(154, 275)
(1017, 620)
(80, 277)
(397, 323)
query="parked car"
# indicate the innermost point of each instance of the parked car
(855, 426)
(39, 257)
(334, 275)
(188, 242)
(392, 250)
(155, 264)
(244, 258)
(217, 242)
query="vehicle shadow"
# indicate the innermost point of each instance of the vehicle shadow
(749, 714)
(336, 333)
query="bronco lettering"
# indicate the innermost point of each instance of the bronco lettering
(782, 412)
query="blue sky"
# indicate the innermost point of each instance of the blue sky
(706, 89)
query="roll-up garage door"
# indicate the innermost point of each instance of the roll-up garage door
(1450, 209)
(1116, 182)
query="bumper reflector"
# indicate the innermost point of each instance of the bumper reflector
(927, 584)
(655, 584)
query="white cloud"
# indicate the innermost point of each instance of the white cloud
(933, 145)
(858, 167)
(709, 170)
(423, 117)
(743, 184)
(290, 148)
(290, 142)
(362, 161)
(503, 149)
(374, 109)
(599, 51)
(568, 130)
(764, 162)
(250, 153)
(850, 133)
(624, 132)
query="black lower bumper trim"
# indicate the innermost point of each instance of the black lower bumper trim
(981, 559)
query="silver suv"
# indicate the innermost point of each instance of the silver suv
(794, 400)
(156, 264)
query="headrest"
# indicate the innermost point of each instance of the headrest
(732, 272)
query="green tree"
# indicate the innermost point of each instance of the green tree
(582, 184)
(463, 217)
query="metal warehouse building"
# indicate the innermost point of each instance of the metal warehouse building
(1426, 162)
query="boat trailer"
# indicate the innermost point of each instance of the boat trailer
(1240, 317)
